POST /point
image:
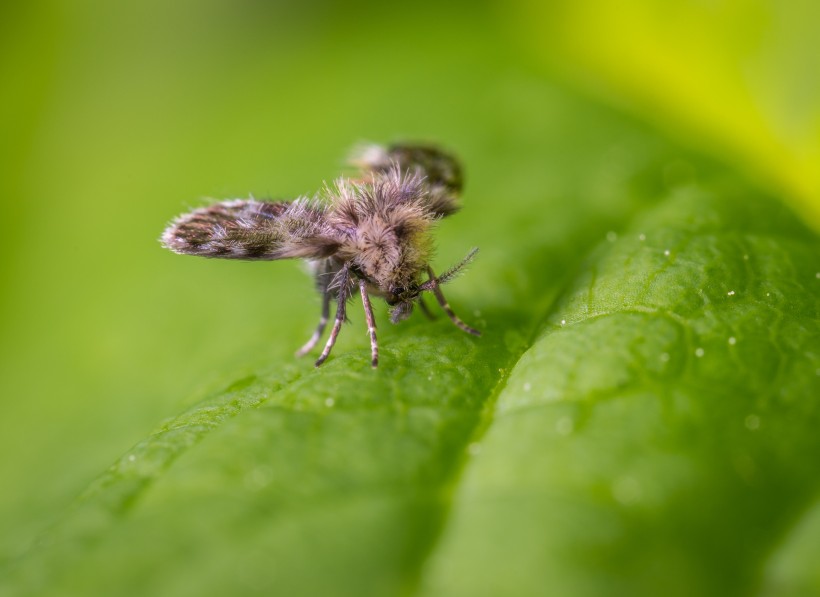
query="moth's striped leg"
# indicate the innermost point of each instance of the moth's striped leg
(444, 305)
(341, 305)
(426, 310)
(371, 324)
(320, 329)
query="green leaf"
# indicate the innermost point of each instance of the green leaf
(663, 425)
(639, 418)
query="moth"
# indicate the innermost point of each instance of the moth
(372, 232)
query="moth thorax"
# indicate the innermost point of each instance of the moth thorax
(379, 248)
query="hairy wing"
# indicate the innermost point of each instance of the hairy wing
(441, 171)
(253, 230)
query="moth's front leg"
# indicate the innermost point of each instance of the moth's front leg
(425, 309)
(446, 306)
(343, 279)
(371, 323)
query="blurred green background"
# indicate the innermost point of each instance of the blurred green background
(116, 116)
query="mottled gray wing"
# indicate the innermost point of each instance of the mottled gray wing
(253, 230)
(441, 171)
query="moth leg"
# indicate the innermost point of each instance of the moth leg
(341, 306)
(426, 310)
(320, 329)
(371, 324)
(444, 305)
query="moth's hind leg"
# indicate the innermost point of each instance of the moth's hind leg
(317, 335)
(341, 304)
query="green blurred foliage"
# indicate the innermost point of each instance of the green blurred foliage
(737, 78)
(117, 116)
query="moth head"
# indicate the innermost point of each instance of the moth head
(401, 311)
(402, 298)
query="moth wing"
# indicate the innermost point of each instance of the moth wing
(441, 171)
(253, 230)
